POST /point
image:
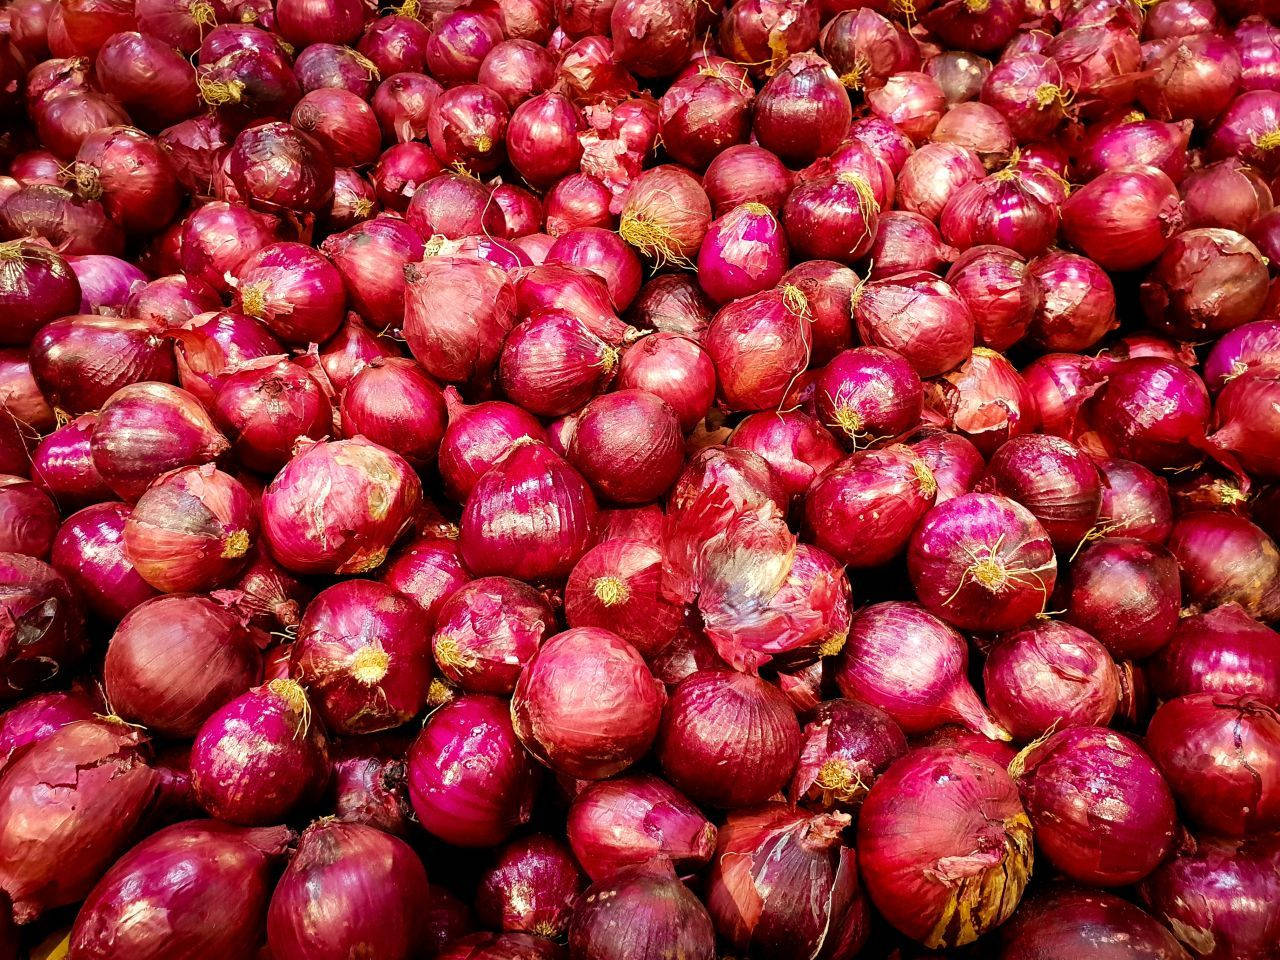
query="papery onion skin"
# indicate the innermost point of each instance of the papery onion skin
(78, 796)
(487, 630)
(1251, 347)
(28, 518)
(349, 887)
(89, 552)
(42, 632)
(456, 313)
(1053, 479)
(172, 661)
(470, 781)
(1069, 921)
(616, 586)
(642, 912)
(1061, 383)
(1116, 412)
(338, 507)
(533, 886)
(718, 717)
(588, 730)
(1223, 651)
(847, 745)
(940, 334)
(665, 214)
(1077, 302)
(1125, 593)
(1050, 676)
(795, 445)
(260, 756)
(1208, 281)
(38, 717)
(1103, 813)
(1217, 894)
(1225, 559)
(1227, 194)
(982, 562)
(954, 462)
(632, 819)
(209, 880)
(944, 845)
(361, 653)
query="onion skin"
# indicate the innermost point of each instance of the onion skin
(1226, 559)
(944, 845)
(1103, 813)
(361, 652)
(912, 666)
(1125, 593)
(796, 446)
(616, 586)
(1050, 676)
(172, 661)
(863, 509)
(1207, 281)
(982, 562)
(487, 630)
(1216, 896)
(537, 864)
(1221, 756)
(1067, 921)
(1053, 479)
(500, 946)
(642, 912)
(717, 717)
(38, 717)
(847, 745)
(1077, 302)
(41, 624)
(470, 781)
(211, 882)
(1223, 651)
(348, 887)
(551, 701)
(942, 330)
(630, 820)
(665, 213)
(628, 445)
(759, 344)
(1135, 502)
(260, 756)
(338, 507)
(456, 313)
(76, 798)
(28, 518)
(770, 854)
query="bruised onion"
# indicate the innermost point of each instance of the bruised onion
(338, 507)
(944, 845)
(487, 630)
(588, 729)
(470, 781)
(260, 756)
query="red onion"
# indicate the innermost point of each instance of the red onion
(105, 282)
(1077, 302)
(628, 445)
(846, 747)
(428, 571)
(219, 238)
(337, 507)
(718, 718)
(960, 74)
(470, 781)
(765, 857)
(42, 632)
(1222, 758)
(1223, 651)
(579, 291)
(1226, 559)
(1123, 218)
(147, 428)
(1118, 413)
(1215, 895)
(940, 333)
(671, 303)
(456, 312)
(674, 368)
(795, 445)
(593, 730)
(21, 402)
(759, 345)
(517, 70)
(944, 845)
(1102, 812)
(458, 44)
(89, 553)
(68, 224)
(972, 26)
(361, 653)
(603, 253)
(28, 518)
(1125, 593)
(402, 103)
(477, 438)
(982, 562)
(500, 946)
(1180, 18)
(1247, 130)
(1053, 479)
(1135, 142)
(342, 123)
(64, 117)
(630, 820)
(954, 462)
(865, 49)
(743, 174)
(80, 361)
(579, 200)
(1244, 416)
(912, 666)
(1256, 43)
(36, 286)
(802, 112)
(616, 586)
(210, 880)
(1135, 502)
(394, 43)
(1226, 194)
(294, 290)
(642, 912)
(1251, 347)
(665, 214)
(522, 215)
(905, 243)
(260, 756)
(1089, 924)
(533, 886)
(1189, 78)
(1061, 384)
(467, 128)
(552, 363)
(265, 406)
(76, 797)
(369, 784)
(1001, 209)
(863, 509)
(1208, 281)
(744, 253)
(171, 300)
(487, 630)
(279, 167)
(39, 717)
(392, 402)
(371, 257)
(542, 140)
(195, 149)
(1050, 676)
(867, 394)
(911, 100)
(998, 288)
(267, 595)
(191, 530)
(833, 217)
(349, 887)
(173, 661)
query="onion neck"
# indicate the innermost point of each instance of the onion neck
(964, 706)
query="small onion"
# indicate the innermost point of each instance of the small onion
(533, 887)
